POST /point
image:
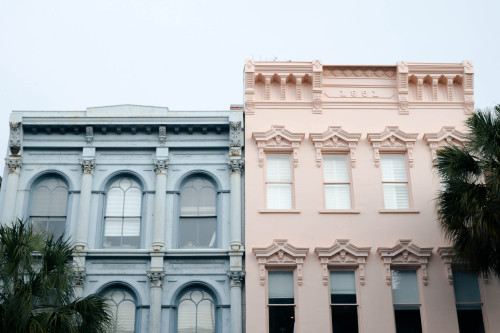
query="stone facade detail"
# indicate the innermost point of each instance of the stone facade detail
(15, 138)
(235, 136)
(89, 134)
(13, 164)
(280, 254)
(392, 140)
(162, 134)
(446, 254)
(405, 254)
(236, 165)
(335, 140)
(88, 166)
(79, 277)
(161, 166)
(155, 278)
(447, 136)
(278, 139)
(236, 278)
(343, 254)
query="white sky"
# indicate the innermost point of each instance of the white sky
(70, 55)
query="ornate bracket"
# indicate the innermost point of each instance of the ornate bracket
(161, 166)
(405, 254)
(236, 278)
(13, 164)
(89, 134)
(343, 254)
(87, 166)
(448, 135)
(280, 254)
(448, 257)
(155, 277)
(392, 139)
(317, 86)
(335, 139)
(15, 138)
(403, 87)
(278, 139)
(236, 165)
(79, 277)
(235, 138)
(162, 134)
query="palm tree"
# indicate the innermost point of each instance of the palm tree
(36, 286)
(469, 205)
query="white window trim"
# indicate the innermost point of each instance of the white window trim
(349, 182)
(290, 182)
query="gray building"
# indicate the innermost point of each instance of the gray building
(152, 199)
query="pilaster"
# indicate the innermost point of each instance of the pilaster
(87, 163)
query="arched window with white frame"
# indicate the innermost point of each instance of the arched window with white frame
(196, 311)
(123, 307)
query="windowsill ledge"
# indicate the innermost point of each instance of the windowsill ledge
(399, 211)
(279, 211)
(339, 211)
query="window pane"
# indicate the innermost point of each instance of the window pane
(207, 202)
(196, 313)
(408, 321)
(470, 321)
(132, 205)
(281, 319)
(466, 287)
(186, 318)
(279, 196)
(338, 196)
(39, 224)
(56, 226)
(345, 319)
(342, 287)
(113, 227)
(393, 168)
(114, 202)
(278, 168)
(41, 200)
(405, 287)
(206, 317)
(335, 168)
(206, 232)
(396, 196)
(122, 307)
(189, 201)
(58, 202)
(280, 288)
(188, 233)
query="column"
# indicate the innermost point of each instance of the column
(9, 209)
(155, 278)
(88, 164)
(236, 315)
(160, 201)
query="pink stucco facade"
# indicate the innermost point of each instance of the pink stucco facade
(308, 110)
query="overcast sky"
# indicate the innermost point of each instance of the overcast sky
(70, 55)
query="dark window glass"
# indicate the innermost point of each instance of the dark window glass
(345, 319)
(468, 300)
(343, 302)
(406, 301)
(281, 302)
(408, 321)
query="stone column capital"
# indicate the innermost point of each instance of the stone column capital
(161, 166)
(79, 277)
(155, 277)
(87, 166)
(236, 165)
(236, 278)
(13, 164)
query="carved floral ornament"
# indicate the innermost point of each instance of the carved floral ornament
(280, 254)
(235, 138)
(13, 164)
(161, 166)
(87, 166)
(236, 278)
(405, 254)
(15, 138)
(155, 277)
(335, 139)
(343, 254)
(392, 139)
(447, 136)
(448, 257)
(278, 139)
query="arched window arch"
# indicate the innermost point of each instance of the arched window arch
(123, 308)
(196, 311)
(122, 217)
(198, 213)
(49, 202)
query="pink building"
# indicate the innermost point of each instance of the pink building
(341, 231)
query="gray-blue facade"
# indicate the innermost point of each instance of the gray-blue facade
(153, 204)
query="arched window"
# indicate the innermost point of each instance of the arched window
(122, 305)
(49, 201)
(196, 312)
(122, 220)
(198, 213)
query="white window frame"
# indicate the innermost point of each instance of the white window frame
(290, 182)
(348, 182)
(407, 182)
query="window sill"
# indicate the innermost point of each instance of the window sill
(279, 211)
(339, 211)
(399, 211)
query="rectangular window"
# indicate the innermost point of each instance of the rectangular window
(468, 300)
(336, 182)
(406, 301)
(278, 182)
(394, 181)
(281, 302)
(343, 302)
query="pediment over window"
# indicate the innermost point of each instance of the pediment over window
(278, 139)
(335, 139)
(280, 254)
(447, 136)
(392, 139)
(405, 254)
(343, 254)
(448, 256)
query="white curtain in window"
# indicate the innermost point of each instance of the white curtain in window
(396, 196)
(280, 284)
(122, 306)
(279, 196)
(394, 170)
(342, 283)
(405, 287)
(196, 313)
(337, 196)
(278, 168)
(335, 168)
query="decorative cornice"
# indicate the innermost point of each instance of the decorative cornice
(13, 164)
(278, 139)
(236, 165)
(236, 278)
(280, 254)
(89, 134)
(79, 277)
(155, 277)
(448, 135)
(235, 138)
(343, 254)
(15, 138)
(405, 254)
(335, 139)
(87, 166)
(161, 166)
(162, 135)
(392, 139)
